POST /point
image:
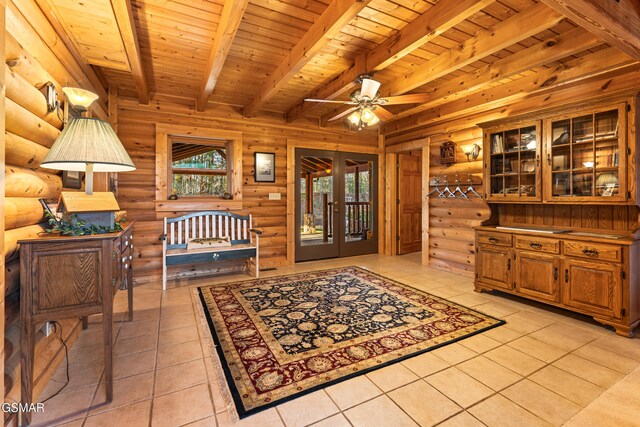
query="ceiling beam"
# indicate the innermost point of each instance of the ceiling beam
(550, 50)
(615, 22)
(546, 81)
(436, 20)
(232, 13)
(335, 17)
(126, 24)
(525, 24)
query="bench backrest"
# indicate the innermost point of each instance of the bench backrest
(199, 225)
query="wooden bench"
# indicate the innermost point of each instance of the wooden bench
(210, 224)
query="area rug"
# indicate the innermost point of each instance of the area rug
(280, 337)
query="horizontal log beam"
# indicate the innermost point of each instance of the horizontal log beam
(615, 22)
(335, 17)
(607, 61)
(545, 52)
(28, 96)
(525, 24)
(21, 212)
(24, 123)
(23, 152)
(431, 24)
(21, 182)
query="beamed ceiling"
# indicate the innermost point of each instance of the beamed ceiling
(266, 56)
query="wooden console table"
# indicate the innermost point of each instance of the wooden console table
(63, 277)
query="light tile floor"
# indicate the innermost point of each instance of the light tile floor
(545, 367)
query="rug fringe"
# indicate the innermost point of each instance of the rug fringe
(221, 381)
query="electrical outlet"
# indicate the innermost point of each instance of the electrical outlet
(274, 196)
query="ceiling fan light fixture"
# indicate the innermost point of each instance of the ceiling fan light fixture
(368, 115)
(374, 121)
(354, 118)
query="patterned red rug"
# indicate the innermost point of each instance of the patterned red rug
(281, 337)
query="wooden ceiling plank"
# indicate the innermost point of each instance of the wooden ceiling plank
(426, 27)
(126, 24)
(615, 22)
(337, 15)
(517, 28)
(48, 27)
(546, 52)
(232, 13)
(596, 64)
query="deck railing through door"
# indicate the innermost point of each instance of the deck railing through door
(356, 221)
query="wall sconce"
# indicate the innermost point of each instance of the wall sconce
(472, 151)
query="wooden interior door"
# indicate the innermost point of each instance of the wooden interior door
(409, 203)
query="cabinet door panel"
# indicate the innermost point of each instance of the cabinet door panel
(537, 275)
(494, 266)
(595, 287)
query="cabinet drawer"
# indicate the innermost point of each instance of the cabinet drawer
(499, 239)
(599, 251)
(537, 244)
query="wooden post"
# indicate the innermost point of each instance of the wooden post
(426, 158)
(3, 5)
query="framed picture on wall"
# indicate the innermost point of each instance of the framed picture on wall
(72, 179)
(264, 166)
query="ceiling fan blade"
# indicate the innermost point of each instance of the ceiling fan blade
(383, 114)
(342, 114)
(329, 101)
(413, 98)
(369, 88)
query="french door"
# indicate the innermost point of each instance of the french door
(336, 204)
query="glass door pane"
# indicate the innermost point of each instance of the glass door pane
(359, 204)
(316, 206)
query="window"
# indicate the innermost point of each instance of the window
(200, 164)
(199, 168)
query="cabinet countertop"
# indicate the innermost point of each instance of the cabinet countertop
(598, 236)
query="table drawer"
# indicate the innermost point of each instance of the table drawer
(600, 251)
(537, 244)
(498, 239)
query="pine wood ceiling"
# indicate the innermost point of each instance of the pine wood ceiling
(508, 44)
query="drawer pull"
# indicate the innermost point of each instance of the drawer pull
(216, 256)
(493, 240)
(535, 245)
(555, 274)
(591, 252)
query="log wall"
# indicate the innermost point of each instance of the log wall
(136, 190)
(34, 56)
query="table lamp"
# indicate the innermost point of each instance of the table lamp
(87, 144)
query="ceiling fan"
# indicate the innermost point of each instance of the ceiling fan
(367, 104)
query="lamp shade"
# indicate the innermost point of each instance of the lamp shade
(87, 141)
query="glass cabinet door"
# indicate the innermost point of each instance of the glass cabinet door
(514, 163)
(584, 155)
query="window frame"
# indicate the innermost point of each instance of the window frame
(165, 133)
